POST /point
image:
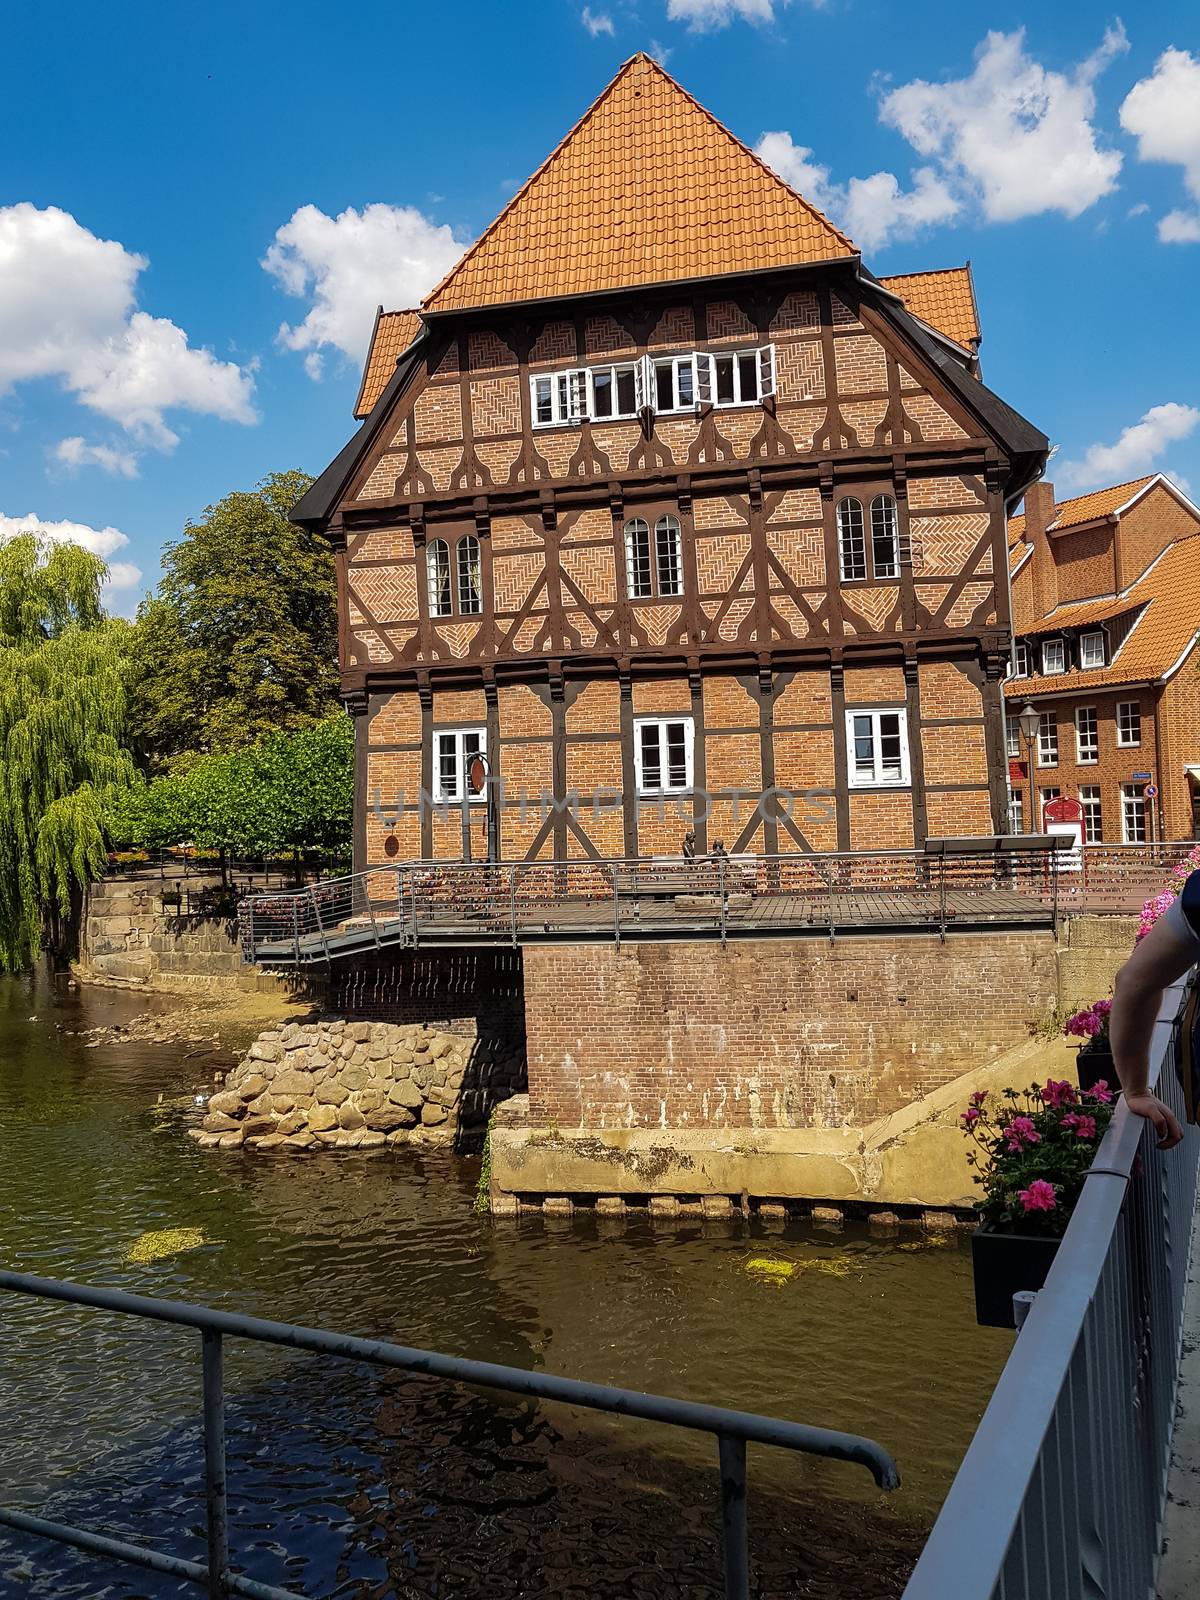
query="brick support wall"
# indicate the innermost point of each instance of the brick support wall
(779, 1033)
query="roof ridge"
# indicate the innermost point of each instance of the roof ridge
(1106, 488)
(640, 59)
(924, 272)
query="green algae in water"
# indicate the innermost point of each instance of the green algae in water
(160, 1243)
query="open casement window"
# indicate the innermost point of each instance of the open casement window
(614, 390)
(670, 384)
(885, 537)
(437, 573)
(662, 754)
(653, 563)
(453, 752)
(877, 744)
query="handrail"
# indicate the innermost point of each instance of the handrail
(1080, 1419)
(732, 1429)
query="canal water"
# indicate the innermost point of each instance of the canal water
(350, 1482)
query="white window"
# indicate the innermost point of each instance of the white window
(852, 544)
(885, 537)
(551, 399)
(653, 568)
(1091, 650)
(470, 593)
(437, 572)
(664, 383)
(1087, 739)
(1054, 657)
(613, 391)
(1012, 739)
(1093, 820)
(1133, 813)
(1020, 659)
(1044, 798)
(878, 749)
(452, 754)
(1016, 813)
(676, 385)
(1129, 722)
(1047, 755)
(662, 754)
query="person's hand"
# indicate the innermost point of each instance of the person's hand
(1166, 1125)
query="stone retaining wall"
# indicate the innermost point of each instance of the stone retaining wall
(357, 1086)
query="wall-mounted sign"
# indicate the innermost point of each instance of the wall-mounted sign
(1141, 777)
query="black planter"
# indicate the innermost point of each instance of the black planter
(1004, 1263)
(1096, 1066)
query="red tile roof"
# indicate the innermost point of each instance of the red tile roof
(944, 299)
(394, 332)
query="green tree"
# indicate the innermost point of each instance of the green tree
(241, 639)
(63, 666)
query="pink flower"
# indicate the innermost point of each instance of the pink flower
(970, 1116)
(1058, 1092)
(1099, 1091)
(1021, 1132)
(1102, 1007)
(1039, 1196)
(979, 1097)
(1085, 1127)
(1084, 1024)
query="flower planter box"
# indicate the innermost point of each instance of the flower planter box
(1096, 1066)
(1004, 1263)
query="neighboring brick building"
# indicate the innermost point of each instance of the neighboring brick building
(662, 494)
(1106, 614)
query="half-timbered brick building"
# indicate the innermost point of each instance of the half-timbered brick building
(664, 503)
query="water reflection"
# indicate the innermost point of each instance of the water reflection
(354, 1482)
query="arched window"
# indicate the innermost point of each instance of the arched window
(437, 572)
(637, 558)
(885, 537)
(470, 586)
(666, 555)
(852, 551)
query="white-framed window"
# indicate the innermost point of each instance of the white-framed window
(1016, 812)
(1129, 722)
(653, 565)
(470, 585)
(662, 754)
(1093, 817)
(1044, 798)
(1091, 650)
(1047, 749)
(437, 573)
(1020, 659)
(885, 537)
(1012, 739)
(453, 749)
(1054, 657)
(877, 744)
(852, 540)
(1087, 737)
(1133, 813)
(672, 383)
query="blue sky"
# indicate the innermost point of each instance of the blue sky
(201, 206)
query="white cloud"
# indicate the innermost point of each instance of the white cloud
(1014, 134)
(1163, 113)
(596, 22)
(1138, 210)
(1136, 451)
(1180, 227)
(872, 210)
(75, 453)
(68, 310)
(350, 264)
(703, 15)
(102, 542)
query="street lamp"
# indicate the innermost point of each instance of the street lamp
(1029, 722)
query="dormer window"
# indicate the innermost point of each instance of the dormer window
(1054, 657)
(1020, 659)
(1091, 650)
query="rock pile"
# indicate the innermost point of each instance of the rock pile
(349, 1086)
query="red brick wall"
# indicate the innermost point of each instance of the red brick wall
(1117, 763)
(770, 1033)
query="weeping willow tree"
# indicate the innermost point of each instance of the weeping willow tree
(62, 756)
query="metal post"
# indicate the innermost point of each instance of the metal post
(942, 896)
(616, 883)
(724, 926)
(296, 929)
(512, 902)
(735, 1538)
(214, 1465)
(466, 818)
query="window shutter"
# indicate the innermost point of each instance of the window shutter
(642, 390)
(766, 371)
(702, 385)
(577, 394)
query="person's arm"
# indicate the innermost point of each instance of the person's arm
(1166, 953)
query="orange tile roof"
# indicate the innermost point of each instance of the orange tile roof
(394, 332)
(1170, 621)
(647, 187)
(1084, 507)
(945, 300)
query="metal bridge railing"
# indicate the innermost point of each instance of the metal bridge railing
(733, 1430)
(1060, 1495)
